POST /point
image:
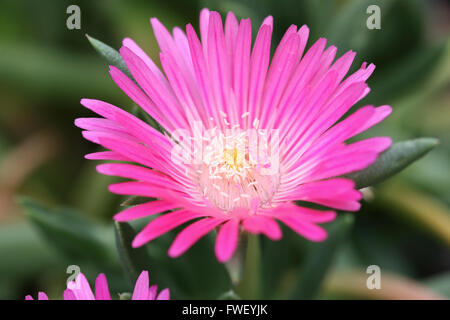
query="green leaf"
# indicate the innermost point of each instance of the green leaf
(319, 258)
(66, 230)
(134, 260)
(398, 157)
(111, 55)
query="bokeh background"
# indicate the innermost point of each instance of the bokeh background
(45, 69)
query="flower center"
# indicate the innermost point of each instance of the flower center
(233, 172)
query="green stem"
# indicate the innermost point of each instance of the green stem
(249, 286)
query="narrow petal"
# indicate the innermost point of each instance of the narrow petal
(69, 295)
(42, 296)
(144, 210)
(262, 224)
(81, 288)
(101, 288)
(191, 234)
(163, 224)
(141, 288)
(335, 193)
(227, 239)
(152, 292)
(306, 229)
(164, 295)
(106, 155)
(305, 214)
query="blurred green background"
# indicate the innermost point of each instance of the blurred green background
(45, 69)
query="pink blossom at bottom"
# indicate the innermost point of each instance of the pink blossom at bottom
(81, 290)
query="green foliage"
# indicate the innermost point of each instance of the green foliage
(398, 157)
(319, 258)
(133, 260)
(67, 231)
(111, 55)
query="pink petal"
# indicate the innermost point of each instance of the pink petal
(144, 210)
(152, 292)
(106, 155)
(242, 65)
(101, 288)
(335, 193)
(69, 295)
(306, 229)
(141, 288)
(164, 99)
(304, 214)
(342, 65)
(130, 44)
(81, 288)
(262, 224)
(259, 63)
(42, 296)
(164, 295)
(191, 234)
(227, 239)
(163, 224)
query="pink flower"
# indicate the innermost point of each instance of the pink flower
(215, 96)
(80, 290)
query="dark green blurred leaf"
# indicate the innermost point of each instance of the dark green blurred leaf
(199, 272)
(398, 157)
(348, 30)
(319, 258)
(134, 260)
(440, 284)
(418, 208)
(408, 76)
(68, 231)
(287, 252)
(20, 244)
(42, 71)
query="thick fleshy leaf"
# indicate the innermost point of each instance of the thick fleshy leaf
(111, 55)
(392, 161)
(319, 258)
(66, 230)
